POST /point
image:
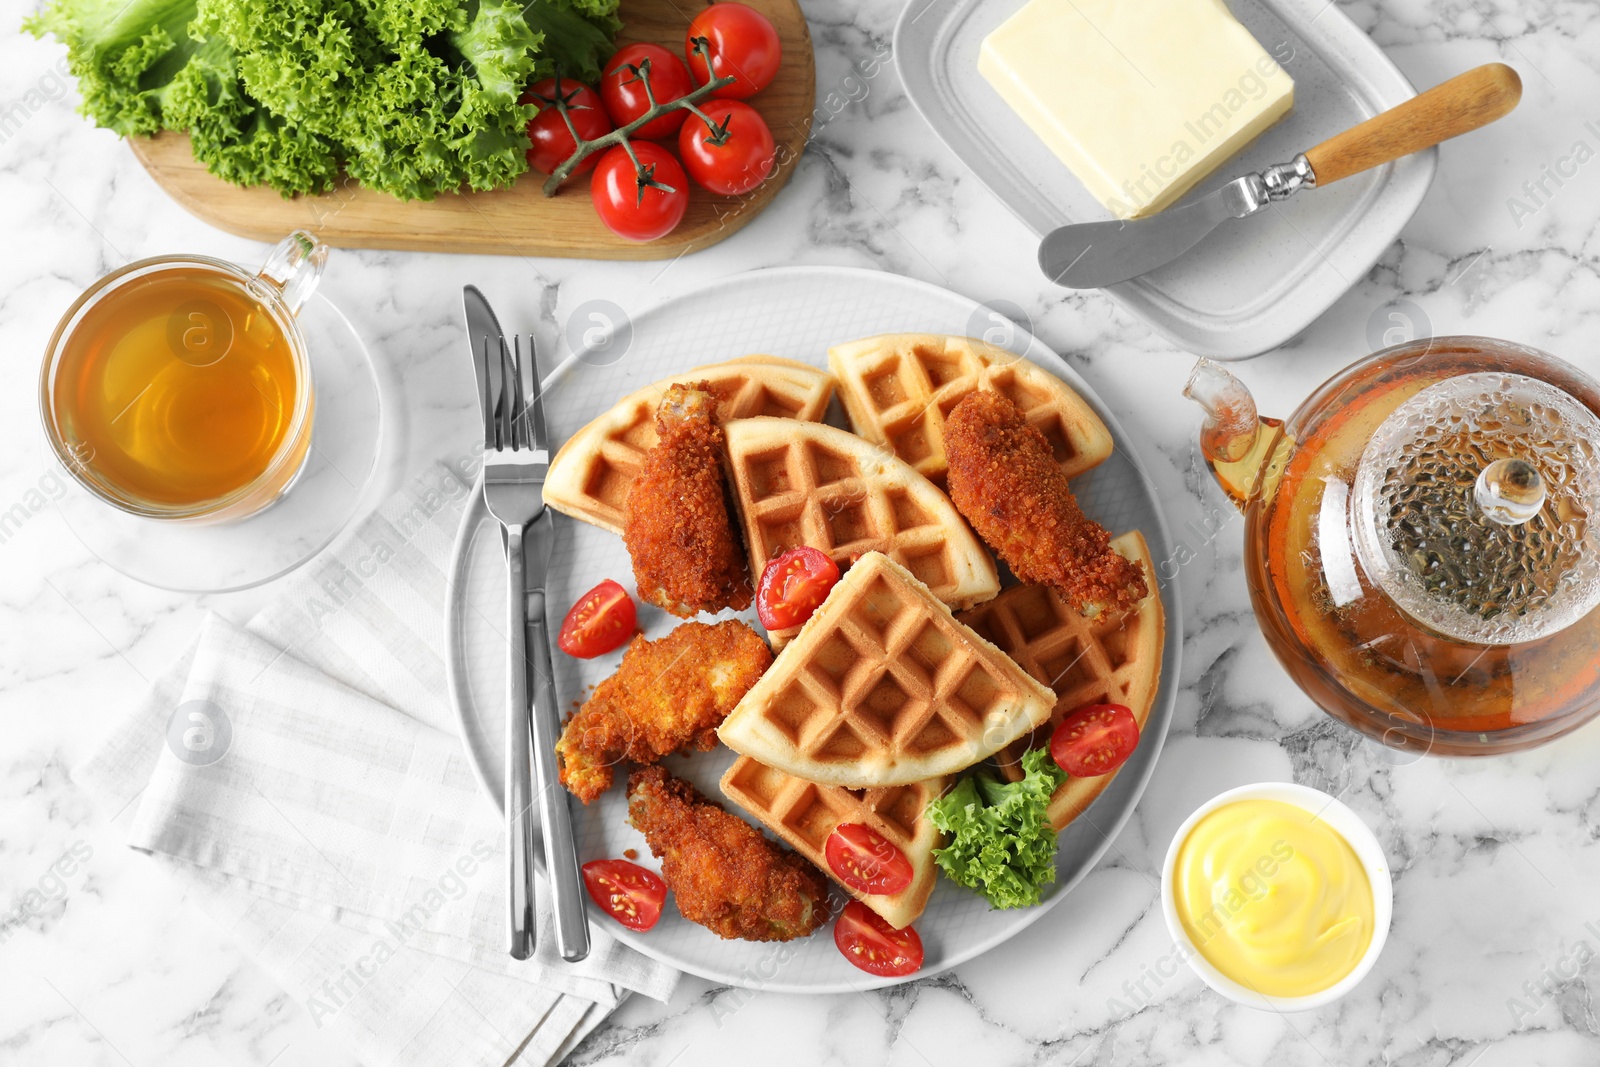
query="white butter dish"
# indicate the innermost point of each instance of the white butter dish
(1246, 288)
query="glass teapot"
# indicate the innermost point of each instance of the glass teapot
(1417, 540)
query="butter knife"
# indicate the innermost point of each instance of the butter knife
(1093, 255)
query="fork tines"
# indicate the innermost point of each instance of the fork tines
(514, 415)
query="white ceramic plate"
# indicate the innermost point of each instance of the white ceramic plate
(795, 312)
(1253, 283)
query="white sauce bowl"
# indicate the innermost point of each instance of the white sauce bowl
(1344, 822)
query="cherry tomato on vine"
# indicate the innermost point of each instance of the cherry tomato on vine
(869, 942)
(622, 88)
(629, 893)
(600, 621)
(1094, 740)
(552, 141)
(735, 157)
(738, 41)
(641, 204)
(793, 585)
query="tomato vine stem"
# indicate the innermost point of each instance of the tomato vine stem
(621, 135)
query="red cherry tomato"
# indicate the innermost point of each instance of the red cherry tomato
(739, 41)
(793, 585)
(641, 204)
(866, 861)
(622, 87)
(869, 942)
(1094, 740)
(735, 157)
(602, 619)
(552, 141)
(630, 894)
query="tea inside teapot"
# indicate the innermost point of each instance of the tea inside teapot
(1418, 545)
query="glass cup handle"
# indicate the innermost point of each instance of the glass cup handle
(295, 267)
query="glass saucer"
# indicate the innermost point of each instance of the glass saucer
(329, 492)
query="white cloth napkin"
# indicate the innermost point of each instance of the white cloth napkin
(302, 780)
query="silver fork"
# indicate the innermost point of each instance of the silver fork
(516, 458)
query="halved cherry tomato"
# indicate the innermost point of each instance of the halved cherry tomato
(602, 619)
(1094, 740)
(552, 141)
(866, 861)
(644, 203)
(868, 941)
(793, 585)
(733, 158)
(622, 88)
(629, 893)
(739, 41)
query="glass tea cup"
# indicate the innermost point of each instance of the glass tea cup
(179, 387)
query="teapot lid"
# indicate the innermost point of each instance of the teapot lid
(1472, 505)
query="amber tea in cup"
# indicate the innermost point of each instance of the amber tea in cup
(179, 388)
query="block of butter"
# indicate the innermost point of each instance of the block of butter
(1140, 98)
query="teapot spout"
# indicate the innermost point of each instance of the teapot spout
(1242, 449)
(1231, 426)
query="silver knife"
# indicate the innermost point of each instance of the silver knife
(1093, 255)
(482, 328)
(555, 812)
(484, 337)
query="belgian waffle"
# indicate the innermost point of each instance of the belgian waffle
(590, 476)
(809, 484)
(883, 687)
(804, 814)
(898, 389)
(1110, 659)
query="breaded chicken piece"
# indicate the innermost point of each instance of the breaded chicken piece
(686, 555)
(667, 695)
(1004, 479)
(725, 874)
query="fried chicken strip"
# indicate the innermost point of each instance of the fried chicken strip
(686, 555)
(1004, 479)
(725, 874)
(667, 695)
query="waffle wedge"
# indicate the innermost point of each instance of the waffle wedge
(883, 687)
(809, 484)
(1110, 659)
(804, 814)
(590, 476)
(898, 388)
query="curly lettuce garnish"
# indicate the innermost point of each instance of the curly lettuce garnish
(1001, 840)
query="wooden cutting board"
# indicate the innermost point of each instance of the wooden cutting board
(521, 220)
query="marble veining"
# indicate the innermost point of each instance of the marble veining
(1496, 864)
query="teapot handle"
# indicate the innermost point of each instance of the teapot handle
(1460, 105)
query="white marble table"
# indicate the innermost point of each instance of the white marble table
(1497, 863)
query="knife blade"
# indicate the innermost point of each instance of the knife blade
(482, 329)
(483, 335)
(1093, 255)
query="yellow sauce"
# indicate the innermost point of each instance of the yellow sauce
(1273, 898)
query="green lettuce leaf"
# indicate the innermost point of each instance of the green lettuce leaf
(237, 139)
(1001, 840)
(124, 55)
(498, 47)
(577, 36)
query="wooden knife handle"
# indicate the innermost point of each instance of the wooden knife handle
(1448, 110)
